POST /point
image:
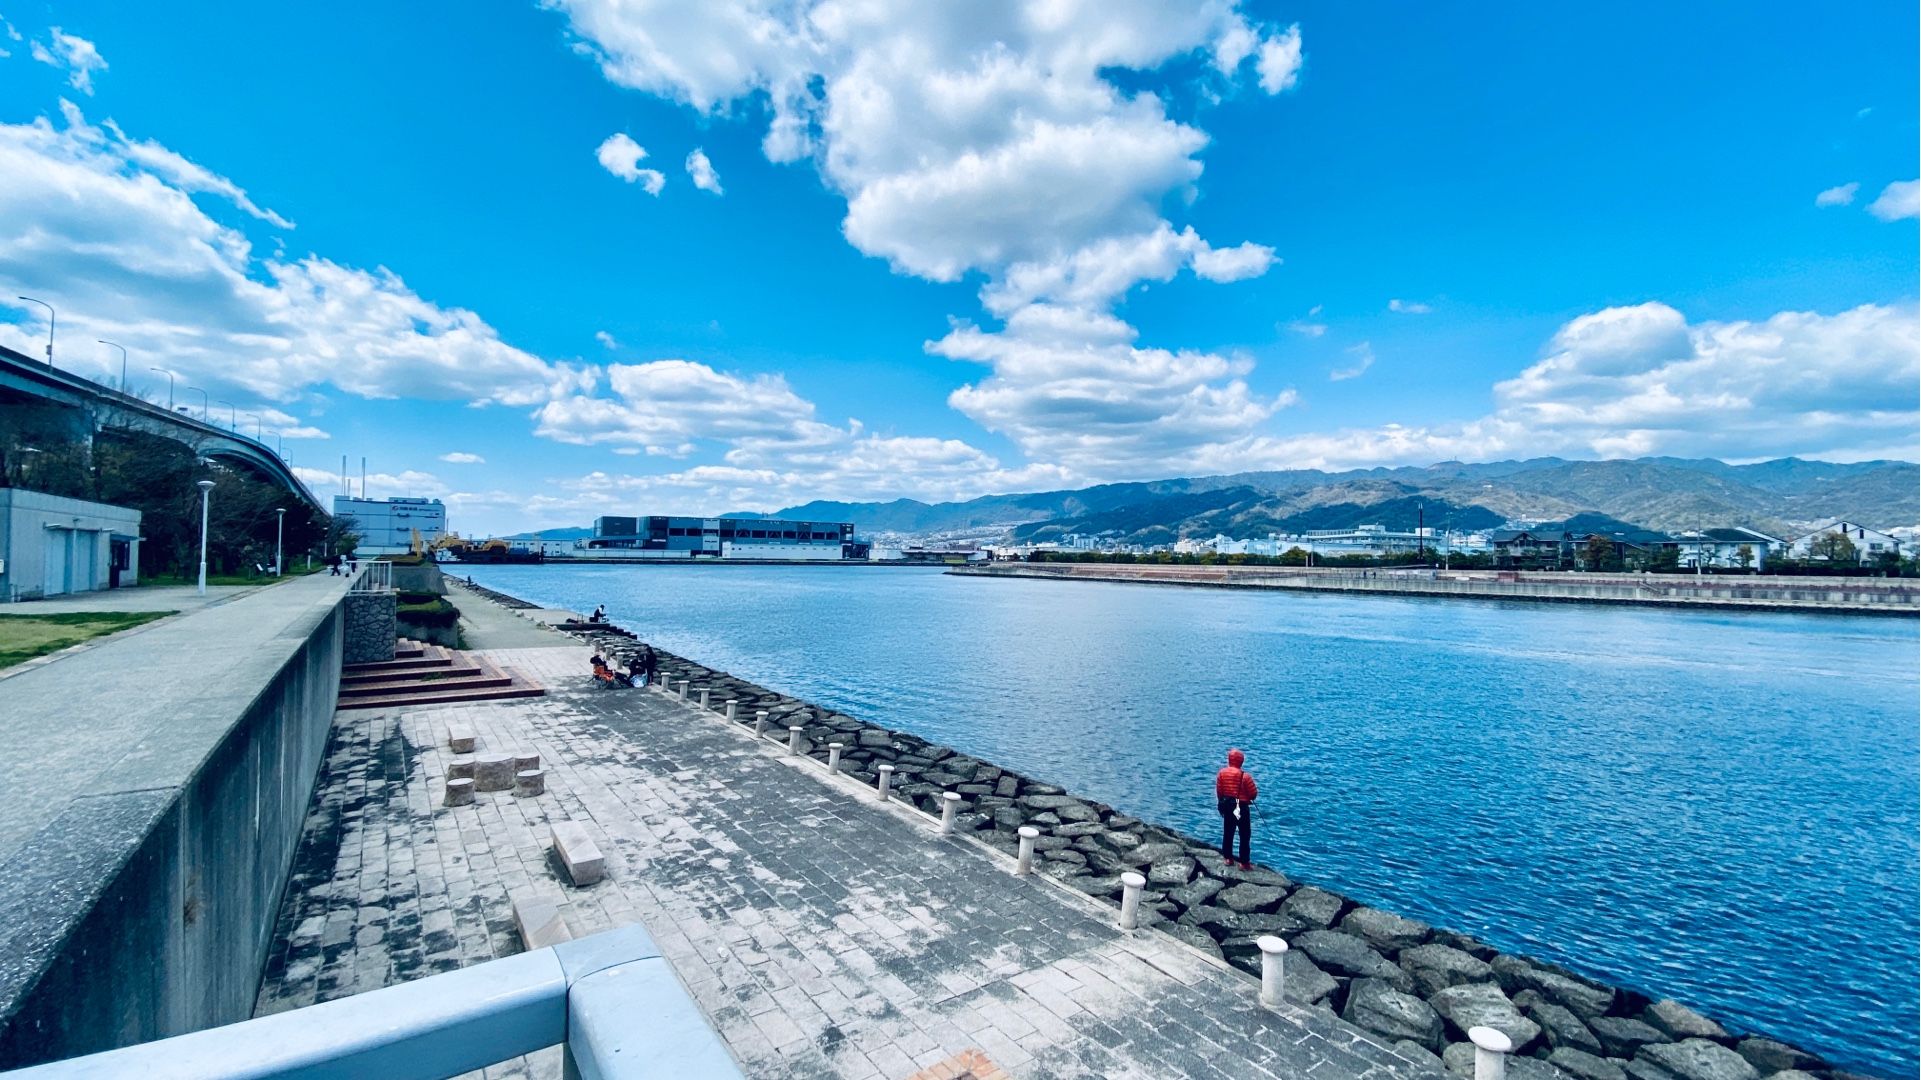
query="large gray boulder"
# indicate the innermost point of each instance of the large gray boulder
(1563, 1028)
(1696, 1059)
(1197, 892)
(1483, 1005)
(1193, 937)
(1772, 1057)
(1345, 954)
(1681, 1022)
(1247, 898)
(1375, 1005)
(1585, 1066)
(1303, 981)
(1384, 930)
(1170, 872)
(1622, 1036)
(1459, 1061)
(1436, 967)
(1314, 907)
(1587, 999)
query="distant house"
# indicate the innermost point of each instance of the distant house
(1869, 544)
(1555, 546)
(1546, 545)
(1722, 548)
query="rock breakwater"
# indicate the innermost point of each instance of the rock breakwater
(1417, 987)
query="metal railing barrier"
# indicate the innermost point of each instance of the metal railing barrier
(377, 576)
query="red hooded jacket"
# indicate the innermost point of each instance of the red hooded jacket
(1232, 782)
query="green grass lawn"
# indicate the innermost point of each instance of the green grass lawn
(23, 637)
(229, 579)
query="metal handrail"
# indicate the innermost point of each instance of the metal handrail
(586, 995)
(376, 576)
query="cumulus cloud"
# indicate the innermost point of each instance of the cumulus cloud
(620, 155)
(1837, 196)
(701, 171)
(1408, 307)
(1307, 329)
(461, 457)
(107, 228)
(75, 55)
(1280, 61)
(1363, 355)
(1901, 199)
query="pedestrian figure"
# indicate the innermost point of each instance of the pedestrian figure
(599, 615)
(1235, 792)
(649, 663)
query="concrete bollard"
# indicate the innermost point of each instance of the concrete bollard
(731, 703)
(1273, 959)
(949, 803)
(460, 792)
(793, 738)
(1131, 885)
(760, 723)
(703, 697)
(886, 778)
(1491, 1048)
(683, 690)
(530, 782)
(833, 757)
(1025, 865)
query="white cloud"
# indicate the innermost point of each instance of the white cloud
(76, 55)
(606, 339)
(1307, 329)
(621, 155)
(1901, 199)
(1363, 355)
(1837, 196)
(1408, 307)
(461, 457)
(11, 34)
(1280, 61)
(701, 171)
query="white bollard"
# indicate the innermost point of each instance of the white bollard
(760, 723)
(683, 689)
(1273, 959)
(703, 697)
(1025, 865)
(1131, 885)
(833, 757)
(949, 803)
(793, 738)
(730, 709)
(886, 777)
(1491, 1048)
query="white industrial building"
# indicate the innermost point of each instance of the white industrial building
(51, 545)
(387, 526)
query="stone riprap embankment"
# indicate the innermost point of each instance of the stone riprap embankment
(1420, 987)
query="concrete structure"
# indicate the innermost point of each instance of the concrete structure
(93, 410)
(725, 538)
(1869, 544)
(51, 545)
(387, 526)
(143, 855)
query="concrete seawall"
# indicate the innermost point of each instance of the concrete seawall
(146, 831)
(1848, 596)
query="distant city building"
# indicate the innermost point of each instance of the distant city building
(51, 545)
(387, 526)
(722, 538)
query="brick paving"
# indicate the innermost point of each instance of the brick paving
(823, 934)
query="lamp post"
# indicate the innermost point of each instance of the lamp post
(279, 529)
(50, 318)
(206, 489)
(233, 414)
(123, 361)
(203, 402)
(169, 376)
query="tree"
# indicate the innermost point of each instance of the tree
(1599, 550)
(1745, 556)
(1835, 547)
(1666, 559)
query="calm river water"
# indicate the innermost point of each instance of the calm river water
(1718, 807)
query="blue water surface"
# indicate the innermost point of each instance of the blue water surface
(1716, 807)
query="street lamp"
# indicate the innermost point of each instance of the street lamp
(206, 488)
(123, 361)
(233, 414)
(169, 376)
(49, 308)
(203, 402)
(279, 529)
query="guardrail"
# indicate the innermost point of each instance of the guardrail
(611, 1000)
(377, 576)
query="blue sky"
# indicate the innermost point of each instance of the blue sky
(973, 248)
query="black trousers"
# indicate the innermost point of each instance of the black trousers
(1231, 822)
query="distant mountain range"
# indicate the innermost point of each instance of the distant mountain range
(1780, 497)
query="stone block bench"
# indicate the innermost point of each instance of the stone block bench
(460, 738)
(578, 854)
(539, 923)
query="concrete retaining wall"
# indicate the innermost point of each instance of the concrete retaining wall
(145, 906)
(370, 627)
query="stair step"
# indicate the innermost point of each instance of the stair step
(414, 663)
(463, 678)
(432, 697)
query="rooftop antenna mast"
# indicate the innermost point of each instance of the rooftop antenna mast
(363, 476)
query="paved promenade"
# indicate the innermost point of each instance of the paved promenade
(825, 935)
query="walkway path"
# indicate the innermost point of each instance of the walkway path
(825, 935)
(181, 598)
(487, 625)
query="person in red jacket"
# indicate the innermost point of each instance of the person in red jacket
(1235, 792)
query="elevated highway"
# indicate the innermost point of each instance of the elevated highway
(97, 408)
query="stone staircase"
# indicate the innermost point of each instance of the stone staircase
(424, 674)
